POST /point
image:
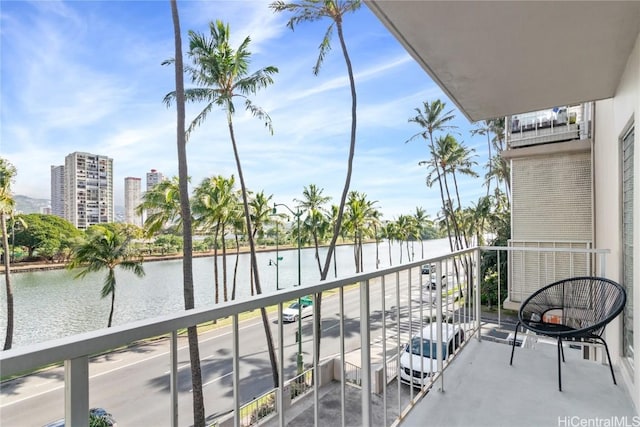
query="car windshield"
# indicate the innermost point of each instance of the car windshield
(294, 306)
(428, 348)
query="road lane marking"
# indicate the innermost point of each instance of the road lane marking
(213, 380)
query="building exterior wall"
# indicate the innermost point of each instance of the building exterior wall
(613, 118)
(57, 190)
(132, 198)
(153, 177)
(88, 190)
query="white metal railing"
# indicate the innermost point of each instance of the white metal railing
(398, 303)
(403, 282)
(550, 125)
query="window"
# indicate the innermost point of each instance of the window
(627, 241)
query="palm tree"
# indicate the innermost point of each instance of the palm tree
(316, 221)
(455, 157)
(260, 216)
(105, 248)
(7, 172)
(389, 232)
(422, 221)
(485, 128)
(403, 230)
(334, 10)
(185, 213)
(223, 75)
(214, 205)
(434, 119)
(162, 205)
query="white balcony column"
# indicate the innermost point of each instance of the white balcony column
(365, 346)
(76, 392)
(173, 378)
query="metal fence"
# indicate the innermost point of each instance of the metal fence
(394, 305)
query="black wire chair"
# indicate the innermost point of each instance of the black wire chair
(574, 309)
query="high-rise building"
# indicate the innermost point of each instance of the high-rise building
(88, 189)
(153, 178)
(57, 190)
(132, 198)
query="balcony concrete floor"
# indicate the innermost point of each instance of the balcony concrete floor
(481, 389)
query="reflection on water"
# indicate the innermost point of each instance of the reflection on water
(52, 304)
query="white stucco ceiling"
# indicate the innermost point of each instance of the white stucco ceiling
(495, 58)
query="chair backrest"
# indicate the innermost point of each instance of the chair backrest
(585, 304)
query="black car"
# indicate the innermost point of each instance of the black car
(427, 269)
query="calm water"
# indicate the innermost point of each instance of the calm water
(51, 304)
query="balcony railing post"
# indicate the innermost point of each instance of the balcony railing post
(76, 392)
(439, 303)
(280, 367)
(365, 351)
(476, 289)
(236, 370)
(173, 378)
(343, 416)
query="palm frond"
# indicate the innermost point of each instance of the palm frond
(324, 48)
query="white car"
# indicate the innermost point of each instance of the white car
(291, 313)
(417, 370)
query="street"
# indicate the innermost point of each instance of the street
(133, 383)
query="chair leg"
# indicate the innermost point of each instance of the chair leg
(606, 348)
(513, 344)
(559, 364)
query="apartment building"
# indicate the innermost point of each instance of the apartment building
(153, 177)
(88, 189)
(523, 60)
(57, 190)
(132, 198)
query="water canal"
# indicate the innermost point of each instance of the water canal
(52, 304)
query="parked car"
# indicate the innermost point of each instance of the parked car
(97, 416)
(417, 370)
(428, 268)
(291, 313)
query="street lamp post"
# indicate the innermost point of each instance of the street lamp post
(296, 214)
(277, 261)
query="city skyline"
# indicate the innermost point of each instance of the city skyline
(86, 76)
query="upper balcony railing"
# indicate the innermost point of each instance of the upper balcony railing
(553, 125)
(374, 316)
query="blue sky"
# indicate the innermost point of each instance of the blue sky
(86, 76)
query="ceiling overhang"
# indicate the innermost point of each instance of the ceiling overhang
(495, 58)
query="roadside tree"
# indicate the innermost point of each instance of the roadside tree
(335, 11)
(7, 173)
(221, 72)
(105, 249)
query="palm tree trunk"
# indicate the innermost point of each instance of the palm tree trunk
(252, 249)
(7, 279)
(436, 163)
(345, 190)
(185, 209)
(113, 303)
(464, 232)
(224, 266)
(390, 259)
(316, 243)
(216, 279)
(235, 269)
